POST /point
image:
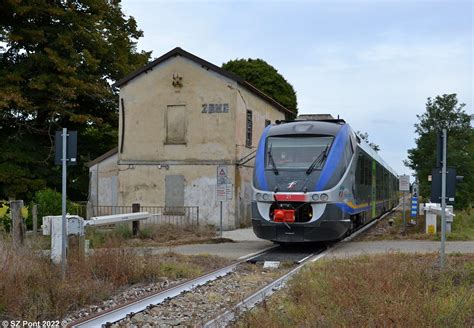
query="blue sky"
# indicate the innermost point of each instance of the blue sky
(374, 63)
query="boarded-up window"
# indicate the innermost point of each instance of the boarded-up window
(249, 125)
(176, 124)
(174, 194)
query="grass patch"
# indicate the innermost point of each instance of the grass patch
(151, 235)
(31, 287)
(462, 228)
(392, 290)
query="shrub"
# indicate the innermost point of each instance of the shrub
(5, 221)
(50, 203)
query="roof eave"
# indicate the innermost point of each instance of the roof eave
(180, 52)
(102, 157)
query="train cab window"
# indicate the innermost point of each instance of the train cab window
(297, 153)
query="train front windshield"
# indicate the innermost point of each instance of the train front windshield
(298, 153)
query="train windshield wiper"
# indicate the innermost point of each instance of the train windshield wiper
(270, 157)
(319, 160)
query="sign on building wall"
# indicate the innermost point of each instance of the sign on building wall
(228, 191)
(215, 108)
(224, 192)
(223, 187)
(221, 193)
(222, 174)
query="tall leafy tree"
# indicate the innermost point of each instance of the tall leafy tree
(58, 60)
(444, 112)
(265, 78)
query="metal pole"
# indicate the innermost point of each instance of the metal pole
(443, 202)
(221, 219)
(404, 219)
(63, 222)
(197, 216)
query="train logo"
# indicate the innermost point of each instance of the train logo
(292, 184)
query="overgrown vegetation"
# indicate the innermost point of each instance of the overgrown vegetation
(31, 287)
(49, 203)
(391, 290)
(462, 228)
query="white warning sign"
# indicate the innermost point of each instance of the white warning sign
(221, 193)
(221, 174)
(404, 183)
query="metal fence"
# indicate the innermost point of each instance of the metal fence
(79, 208)
(185, 215)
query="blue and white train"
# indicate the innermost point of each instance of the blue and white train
(317, 181)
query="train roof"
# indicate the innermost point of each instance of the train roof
(305, 127)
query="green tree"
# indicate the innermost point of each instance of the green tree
(365, 136)
(444, 112)
(265, 78)
(58, 60)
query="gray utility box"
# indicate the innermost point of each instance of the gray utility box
(75, 224)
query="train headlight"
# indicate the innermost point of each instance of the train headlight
(315, 197)
(266, 196)
(324, 197)
(258, 196)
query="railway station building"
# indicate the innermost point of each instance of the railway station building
(187, 134)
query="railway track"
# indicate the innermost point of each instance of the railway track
(170, 303)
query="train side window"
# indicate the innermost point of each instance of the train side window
(368, 170)
(379, 185)
(360, 169)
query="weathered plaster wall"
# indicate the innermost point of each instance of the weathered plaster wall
(146, 98)
(261, 111)
(145, 185)
(103, 182)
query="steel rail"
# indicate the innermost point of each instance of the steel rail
(250, 302)
(120, 312)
